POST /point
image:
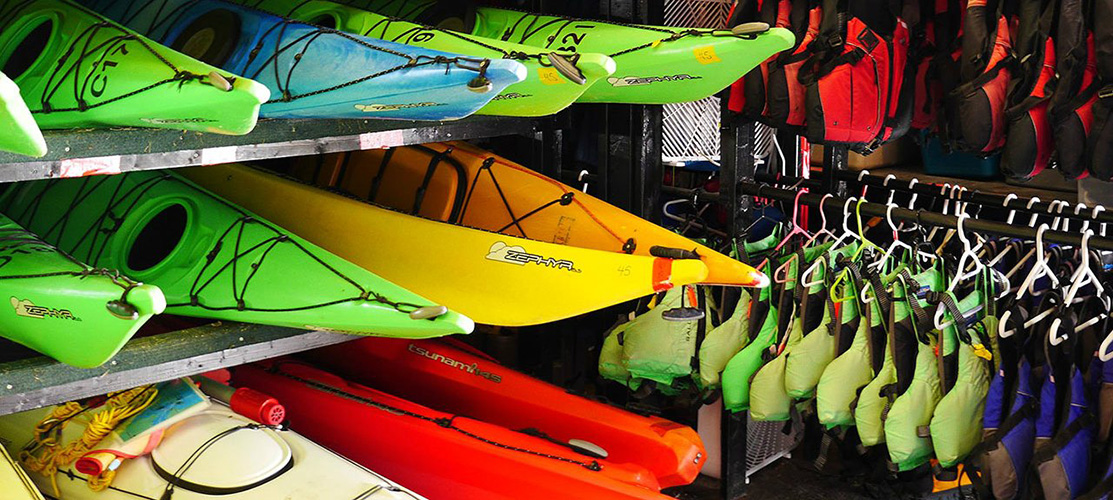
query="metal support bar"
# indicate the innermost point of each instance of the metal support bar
(646, 155)
(835, 159)
(737, 165)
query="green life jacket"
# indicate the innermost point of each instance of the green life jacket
(877, 398)
(658, 349)
(956, 425)
(741, 367)
(820, 345)
(727, 339)
(908, 426)
(847, 374)
(769, 398)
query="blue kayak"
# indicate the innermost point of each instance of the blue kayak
(315, 72)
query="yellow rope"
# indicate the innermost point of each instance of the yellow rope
(119, 407)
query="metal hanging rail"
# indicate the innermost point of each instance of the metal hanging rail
(1077, 212)
(834, 206)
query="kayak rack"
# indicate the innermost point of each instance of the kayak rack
(77, 153)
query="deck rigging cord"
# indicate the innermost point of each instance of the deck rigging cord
(247, 259)
(76, 67)
(45, 454)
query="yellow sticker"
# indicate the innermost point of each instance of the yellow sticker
(550, 76)
(706, 55)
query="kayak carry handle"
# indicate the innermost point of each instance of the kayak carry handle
(217, 80)
(680, 314)
(754, 28)
(588, 448)
(673, 253)
(567, 68)
(122, 310)
(429, 312)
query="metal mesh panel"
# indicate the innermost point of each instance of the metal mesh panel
(766, 442)
(691, 130)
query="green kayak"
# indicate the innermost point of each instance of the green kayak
(656, 64)
(215, 260)
(77, 69)
(63, 308)
(556, 79)
(20, 133)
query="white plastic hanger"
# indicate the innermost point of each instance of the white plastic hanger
(1081, 277)
(1039, 269)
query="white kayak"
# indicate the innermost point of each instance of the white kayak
(14, 483)
(214, 454)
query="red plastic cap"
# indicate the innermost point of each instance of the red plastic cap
(258, 406)
(90, 466)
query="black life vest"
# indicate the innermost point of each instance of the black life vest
(855, 78)
(922, 51)
(977, 108)
(1029, 142)
(1100, 145)
(1071, 109)
(747, 95)
(785, 104)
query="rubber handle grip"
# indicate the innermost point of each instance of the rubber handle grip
(673, 253)
(247, 402)
(258, 406)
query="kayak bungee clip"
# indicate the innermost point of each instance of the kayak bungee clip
(481, 84)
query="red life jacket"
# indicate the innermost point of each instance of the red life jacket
(1071, 108)
(1029, 141)
(978, 122)
(855, 78)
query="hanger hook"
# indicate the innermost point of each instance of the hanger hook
(796, 206)
(822, 213)
(1012, 213)
(846, 213)
(1035, 215)
(1098, 210)
(889, 219)
(911, 183)
(865, 187)
(858, 217)
(885, 184)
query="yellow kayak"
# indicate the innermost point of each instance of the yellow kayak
(490, 277)
(462, 184)
(14, 483)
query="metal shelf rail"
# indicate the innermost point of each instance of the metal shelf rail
(38, 382)
(75, 153)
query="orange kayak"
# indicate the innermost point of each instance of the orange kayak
(434, 453)
(453, 377)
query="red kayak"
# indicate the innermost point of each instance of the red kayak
(454, 377)
(437, 454)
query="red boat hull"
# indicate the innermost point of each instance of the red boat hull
(453, 377)
(436, 454)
